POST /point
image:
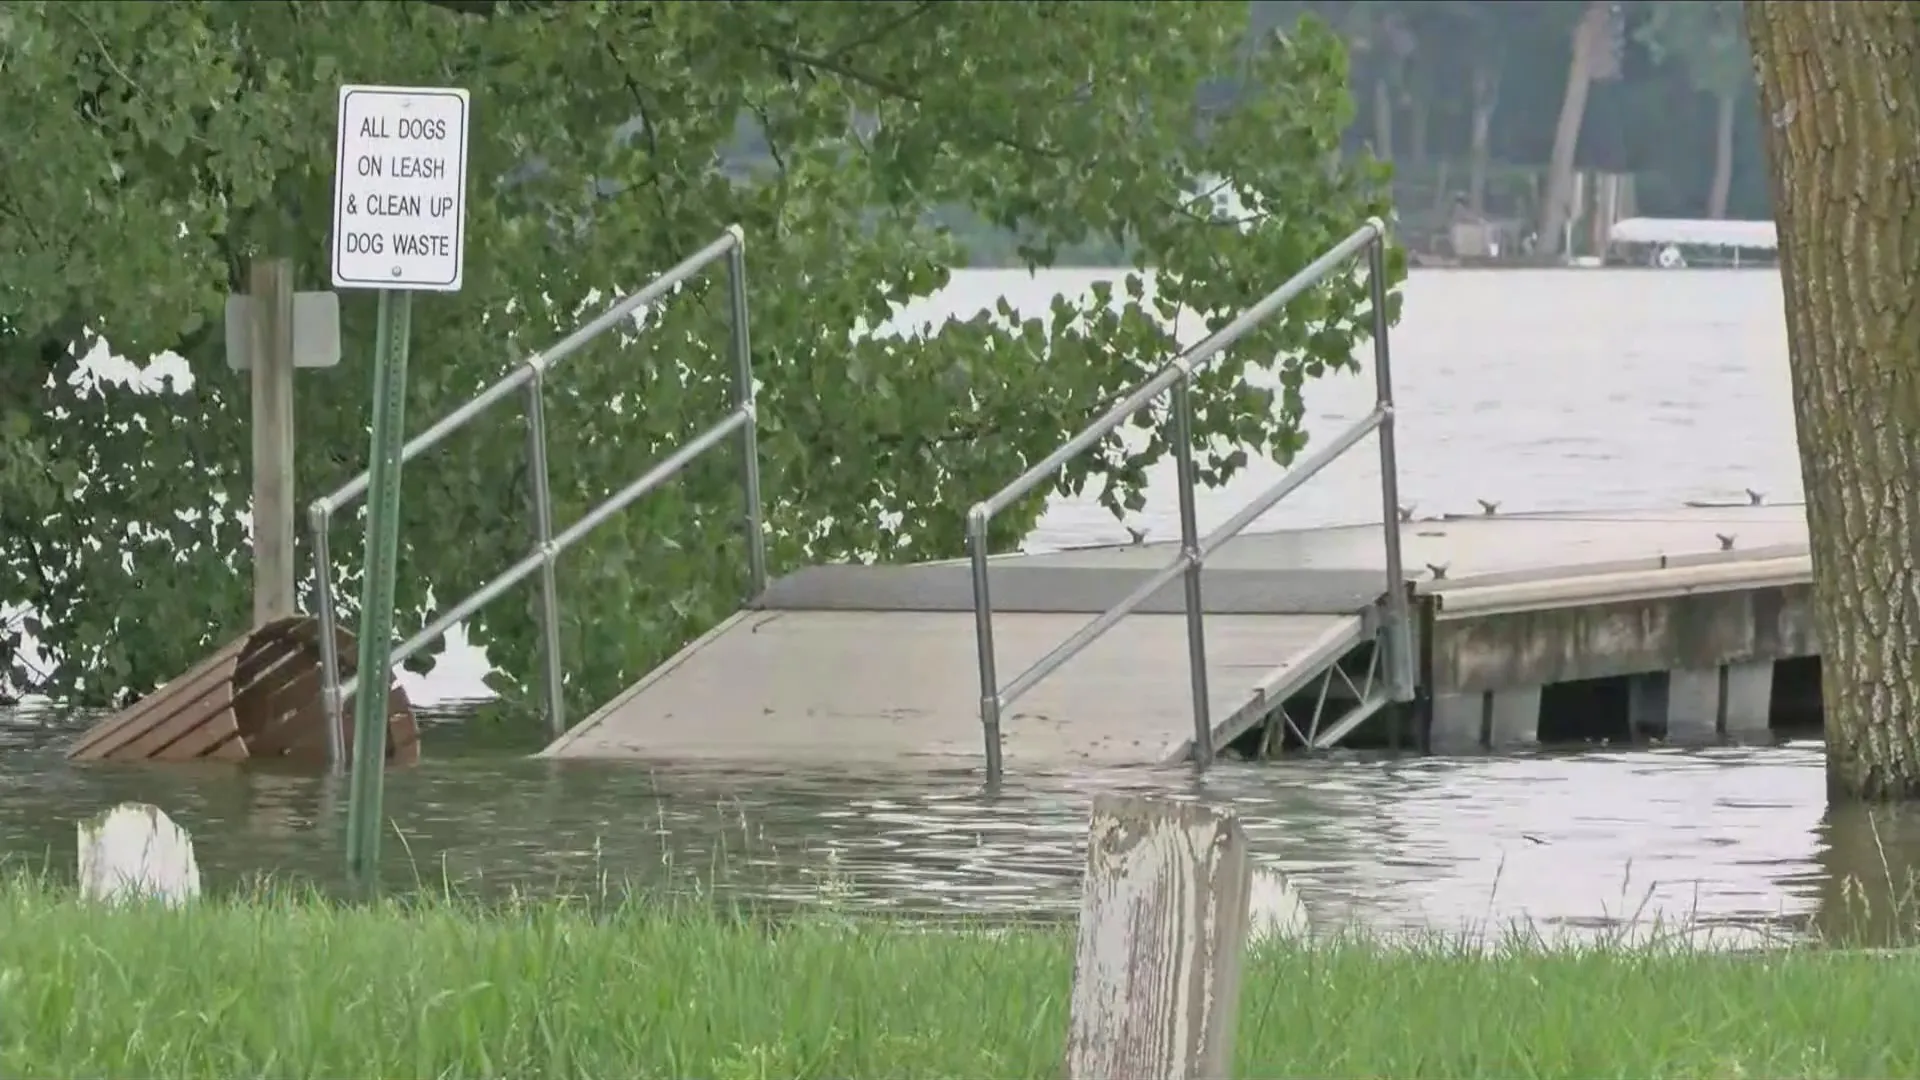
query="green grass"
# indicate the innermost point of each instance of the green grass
(291, 986)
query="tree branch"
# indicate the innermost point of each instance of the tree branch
(885, 29)
(759, 111)
(485, 9)
(831, 65)
(647, 129)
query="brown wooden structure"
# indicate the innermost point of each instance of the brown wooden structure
(257, 698)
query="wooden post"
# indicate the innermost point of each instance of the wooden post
(1163, 925)
(271, 364)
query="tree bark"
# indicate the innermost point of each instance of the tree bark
(1417, 129)
(1724, 116)
(1556, 208)
(1841, 117)
(1382, 120)
(1486, 96)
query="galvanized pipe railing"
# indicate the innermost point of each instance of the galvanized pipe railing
(547, 547)
(1177, 376)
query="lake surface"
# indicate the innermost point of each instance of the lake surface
(1541, 389)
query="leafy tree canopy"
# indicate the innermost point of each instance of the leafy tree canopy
(152, 149)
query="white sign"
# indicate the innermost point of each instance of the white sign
(316, 330)
(400, 188)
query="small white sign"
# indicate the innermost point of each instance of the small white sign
(400, 188)
(316, 330)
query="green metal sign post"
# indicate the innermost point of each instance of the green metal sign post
(377, 583)
(399, 227)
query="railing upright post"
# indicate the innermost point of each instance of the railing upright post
(977, 522)
(743, 399)
(319, 517)
(1399, 636)
(1190, 551)
(554, 670)
(549, 544)
(1177, 376)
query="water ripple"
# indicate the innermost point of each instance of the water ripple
(1729, 835)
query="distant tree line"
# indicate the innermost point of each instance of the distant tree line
(1492, 106)
(1495, 105)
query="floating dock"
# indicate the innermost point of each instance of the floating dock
(877, 663)
(1462, 632)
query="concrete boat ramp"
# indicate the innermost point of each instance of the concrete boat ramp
(878, 663)
(849, 663)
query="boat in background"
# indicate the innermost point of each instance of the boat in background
(1678, 243)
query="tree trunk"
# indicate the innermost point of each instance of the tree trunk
(1839, 101)
(1554, 209)
(1417, 130)
(1486, 95)
(1382, 120)
(1722, 155)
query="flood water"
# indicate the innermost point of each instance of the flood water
(1543, 390)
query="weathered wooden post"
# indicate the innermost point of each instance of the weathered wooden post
(271, 330)
(271, 353)
(1163, 926)
(135, 852)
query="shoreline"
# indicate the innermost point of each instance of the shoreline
(283, 983)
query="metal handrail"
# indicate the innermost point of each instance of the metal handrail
(1177, 375)
(531, 375)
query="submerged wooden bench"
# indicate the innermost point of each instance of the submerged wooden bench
(258, 697)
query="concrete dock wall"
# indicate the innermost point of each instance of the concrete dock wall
(1697, 667)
